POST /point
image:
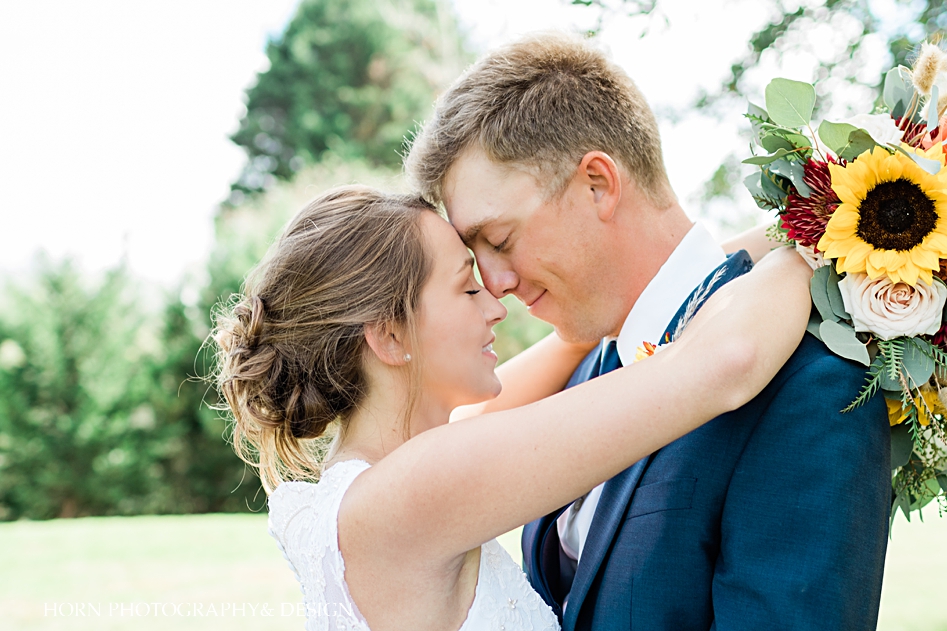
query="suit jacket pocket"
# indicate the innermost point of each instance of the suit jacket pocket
(663, 496)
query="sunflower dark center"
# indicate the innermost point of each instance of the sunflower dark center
(896, 215)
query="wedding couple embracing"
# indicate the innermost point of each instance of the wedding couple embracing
(675, 449)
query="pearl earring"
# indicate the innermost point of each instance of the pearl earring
(407, 357)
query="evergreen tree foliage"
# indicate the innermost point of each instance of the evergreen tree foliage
(349, 78)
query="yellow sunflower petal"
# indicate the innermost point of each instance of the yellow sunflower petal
(924, 258)
(908, 273)
(935, 242)
(857, 254)
(873, 272)
(845, 217)
(845, 194)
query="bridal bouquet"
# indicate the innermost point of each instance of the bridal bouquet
(865, 201)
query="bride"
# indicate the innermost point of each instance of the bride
(366, 315)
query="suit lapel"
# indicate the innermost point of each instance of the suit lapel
(617, 492)
(616, 495)
(736, 265)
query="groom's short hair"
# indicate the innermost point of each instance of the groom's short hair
(542, 102)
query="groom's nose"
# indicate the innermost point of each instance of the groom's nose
(498, 278)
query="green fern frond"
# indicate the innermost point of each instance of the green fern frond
(872, 385)
(893, 351)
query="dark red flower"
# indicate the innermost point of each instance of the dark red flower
(914, 133)
(940, 338)
(805, 217)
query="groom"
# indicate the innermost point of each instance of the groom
(773, 516)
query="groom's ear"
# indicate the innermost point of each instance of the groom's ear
(385, 340)
(601, 177)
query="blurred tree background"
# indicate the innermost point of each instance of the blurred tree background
(101, 408)
(851, 42)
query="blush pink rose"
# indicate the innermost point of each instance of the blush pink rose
(891, 310)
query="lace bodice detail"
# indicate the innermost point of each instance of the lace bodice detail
(304, 522)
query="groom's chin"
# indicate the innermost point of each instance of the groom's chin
(577, 334)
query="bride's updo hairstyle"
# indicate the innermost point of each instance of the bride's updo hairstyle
(291, 347)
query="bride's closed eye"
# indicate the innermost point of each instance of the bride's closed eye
(472, 292)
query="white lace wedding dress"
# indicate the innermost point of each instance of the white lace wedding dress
(304, 522)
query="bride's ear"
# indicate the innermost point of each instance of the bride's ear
(386, 342)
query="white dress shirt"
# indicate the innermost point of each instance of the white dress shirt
(693, 260)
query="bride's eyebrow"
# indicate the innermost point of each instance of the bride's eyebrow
(468, 263)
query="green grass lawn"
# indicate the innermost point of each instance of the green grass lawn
(216, 562)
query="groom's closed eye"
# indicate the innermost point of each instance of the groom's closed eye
(502, 246)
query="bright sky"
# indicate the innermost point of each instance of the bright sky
(117, 113)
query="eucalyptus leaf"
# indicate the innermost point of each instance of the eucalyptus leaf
(835, 135)
(798, 140)
(904, 503)
(890, 385)
(842, 341)
(757, 115)
(931, 166)
(918, 364)
(752, 184)
(835, 294)
(922, 501)
(898, 110)
(814, 321)
(794, 172)
(770, 187)
(757, 111)
(902, 445)
(790, 103)
(797, 175)
(894, 513)
(818, 287)
(859, 141)
(775, 142)
(761, 160)
(898, 88)
(942, 481)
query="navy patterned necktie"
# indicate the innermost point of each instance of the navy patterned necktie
(610, 358)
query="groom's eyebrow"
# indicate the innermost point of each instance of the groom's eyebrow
(470, 234)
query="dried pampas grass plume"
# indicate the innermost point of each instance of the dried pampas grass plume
(931, 62)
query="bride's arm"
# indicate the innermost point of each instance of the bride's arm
(451, 488)
(755, 241)
(540, 371)
(544, 369)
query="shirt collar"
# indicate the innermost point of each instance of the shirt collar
(693, 260)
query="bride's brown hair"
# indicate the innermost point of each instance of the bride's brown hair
(290, 348)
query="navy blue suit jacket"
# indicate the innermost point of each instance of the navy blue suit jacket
(773, 516)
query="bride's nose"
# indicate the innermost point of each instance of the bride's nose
(493, 311)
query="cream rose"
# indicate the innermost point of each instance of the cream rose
(881, 127)
(891, 310)
(810, 256)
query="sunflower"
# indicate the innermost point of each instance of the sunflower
(931, 404)
(892, 220)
